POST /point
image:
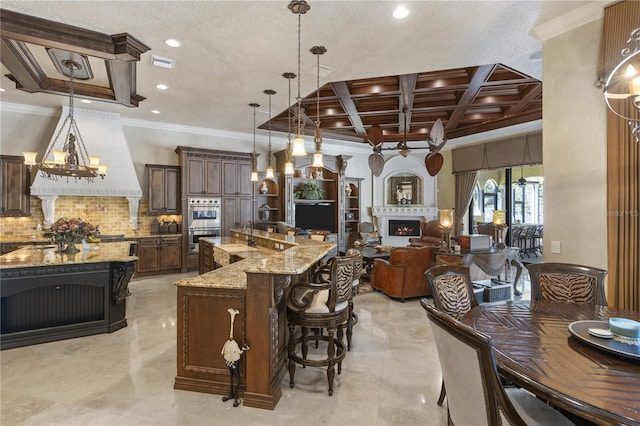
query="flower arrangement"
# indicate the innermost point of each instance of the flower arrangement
(70, 230)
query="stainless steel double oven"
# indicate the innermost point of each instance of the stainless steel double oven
(204, 220)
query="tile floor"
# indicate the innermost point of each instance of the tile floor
(391, 376)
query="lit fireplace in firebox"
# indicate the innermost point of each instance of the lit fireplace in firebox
(404, 228)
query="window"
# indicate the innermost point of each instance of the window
(489, 199)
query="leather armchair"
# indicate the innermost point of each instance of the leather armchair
(402, 276)
(431, 236)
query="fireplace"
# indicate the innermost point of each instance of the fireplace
(404, 228)
(390, 219)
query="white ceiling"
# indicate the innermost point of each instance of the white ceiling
(233, 50)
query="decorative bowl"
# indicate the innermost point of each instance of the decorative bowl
(381, 249)
(625, 327)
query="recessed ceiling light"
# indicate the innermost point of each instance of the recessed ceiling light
(162, 86)
(1, 89)
(85, 101)
(155, 111)
(401, 12)
(172, 42)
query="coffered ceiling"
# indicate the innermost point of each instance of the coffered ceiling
(466, 62)
(468, 101)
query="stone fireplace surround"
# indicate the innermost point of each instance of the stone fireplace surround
(383, 214)
(425, 208)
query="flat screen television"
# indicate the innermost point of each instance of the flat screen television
(316, 216)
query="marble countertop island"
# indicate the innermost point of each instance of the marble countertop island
(274, 253)
(48, 255)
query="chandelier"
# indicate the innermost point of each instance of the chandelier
(299, 7)
(73, 160)
(269, 173)
(622, 87)
(317, 156)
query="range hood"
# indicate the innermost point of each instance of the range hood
(103, 136)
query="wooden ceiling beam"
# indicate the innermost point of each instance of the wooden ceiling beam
(480, 76)
(340, 88)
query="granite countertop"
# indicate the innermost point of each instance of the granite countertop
(48, 255)
(39, 239)
(298, 255)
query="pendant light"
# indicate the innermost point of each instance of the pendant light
(299, 7)
(269, 174)
(317, 156)
(254, 156)
(288, 165)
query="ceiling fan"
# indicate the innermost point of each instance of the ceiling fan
(435, 142)
(522, 181)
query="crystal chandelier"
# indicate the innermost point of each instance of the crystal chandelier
(317, 156)
(269, 173)
(74, 160)
(288, 165)
(254, 155)
(299, 7)
(622, 87)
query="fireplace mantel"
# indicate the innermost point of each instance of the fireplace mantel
(383, 214)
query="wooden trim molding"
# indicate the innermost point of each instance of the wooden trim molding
(120, 52)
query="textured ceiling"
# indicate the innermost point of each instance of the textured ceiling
(233, 50)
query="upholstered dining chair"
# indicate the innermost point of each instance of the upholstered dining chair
(452, 293)
(475, 395)
(322, 304)
(565, 282)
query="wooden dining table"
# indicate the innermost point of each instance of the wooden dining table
(535, 349)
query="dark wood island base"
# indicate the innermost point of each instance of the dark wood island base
(255, 285)
(66, 296)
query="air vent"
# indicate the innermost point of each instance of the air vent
(159, 61)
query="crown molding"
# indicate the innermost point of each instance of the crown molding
(571, 20)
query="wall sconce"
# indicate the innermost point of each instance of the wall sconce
(446, 223)
(499, 225)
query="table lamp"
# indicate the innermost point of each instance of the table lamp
(446, 223)
(498, 225)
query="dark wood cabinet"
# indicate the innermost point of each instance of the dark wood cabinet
(203, 176)
(236, 177)
(164, 189)
(216, 173)
(159, 254)
(14, 182)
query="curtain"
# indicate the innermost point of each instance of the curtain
(514, 151)
(465, 182)
(623, 171)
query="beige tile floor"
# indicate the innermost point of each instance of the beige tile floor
(391, 376)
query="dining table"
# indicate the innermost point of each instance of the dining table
(544, 347)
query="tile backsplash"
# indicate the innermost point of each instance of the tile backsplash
(110, 213)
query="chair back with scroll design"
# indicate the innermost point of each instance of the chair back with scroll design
(451, 289)
(475, 395)
(565, 282)
(323, 304)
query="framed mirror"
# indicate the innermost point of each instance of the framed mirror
(404, 190)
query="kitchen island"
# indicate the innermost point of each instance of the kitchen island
(47, 295)
(253, 281)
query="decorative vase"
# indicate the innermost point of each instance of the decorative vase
(348, 190)
(263, 188)
(71, 248)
